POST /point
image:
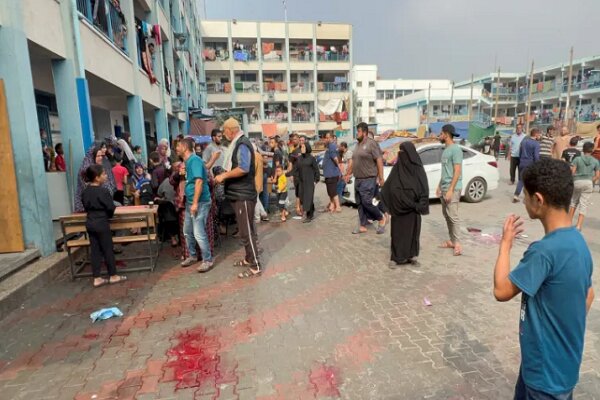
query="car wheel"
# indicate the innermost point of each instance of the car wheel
(476, 190)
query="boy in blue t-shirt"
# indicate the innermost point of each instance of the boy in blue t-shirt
(555, 277)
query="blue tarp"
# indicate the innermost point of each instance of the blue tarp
(462, 128)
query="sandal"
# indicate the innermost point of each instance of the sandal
(250, 273)
(241, 263)
(358, 231)
(102, 283)
(457, 251)
(121, 278)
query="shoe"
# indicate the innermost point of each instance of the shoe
(264, 218)
(205, 266)
(307, 220)
(515, 199)
(189, 261)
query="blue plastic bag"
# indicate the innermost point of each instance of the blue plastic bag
(105, 313)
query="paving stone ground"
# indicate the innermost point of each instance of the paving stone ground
(327, 320)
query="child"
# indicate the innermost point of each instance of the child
(59, 161)
(570, 153)
(99, 206)
(280, 182)
(120, 173)
(143, 187)
(555, 277)
(586, 171)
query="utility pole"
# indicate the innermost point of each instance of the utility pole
(497, 98)
(569, 88)
(428, 104)
(452, 101)
(285, 11)
(529, 99)
(471, 100)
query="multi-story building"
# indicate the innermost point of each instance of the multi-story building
(376, 99)
(82, 70)
(290, 77)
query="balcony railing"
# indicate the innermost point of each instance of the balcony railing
(302, 87)
(274, 56)
(247, 87)
(244, 55)
(275, 117)
(333, 87)
(301, 55)
(107, 17)
(278, 87)
(302, 118)
(587, 85)
(217, 88)
(333, 57)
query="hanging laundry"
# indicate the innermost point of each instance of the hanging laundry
(268, 47)
(269, 130)
(156, 34)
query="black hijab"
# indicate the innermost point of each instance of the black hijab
(406, 189)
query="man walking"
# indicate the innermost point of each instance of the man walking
(586, 171)
(450, 186)
(547, 143)
(197, 206)
(240, 190)
(367, 167)
(561, 143)
(530, 153)
(514, 151)
(331, 172)
(213, 153)
(555, 278)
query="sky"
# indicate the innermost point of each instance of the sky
(442, 39)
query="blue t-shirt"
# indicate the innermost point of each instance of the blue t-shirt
(515, 144)
(195, 169)
(530, 152)
(555, 275)
(330, 168)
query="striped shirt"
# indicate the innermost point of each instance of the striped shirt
(546, 144)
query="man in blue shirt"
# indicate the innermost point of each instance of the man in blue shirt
(514, 151)
(528, 154)
(331, 172)
(555, 278)
(197, 206)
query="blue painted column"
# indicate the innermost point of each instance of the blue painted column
(162, 128)
(15, 70)
(135, 110)
(75, 142)
(173, 127)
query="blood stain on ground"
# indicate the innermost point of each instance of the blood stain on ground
(326, 380)
(195, 360)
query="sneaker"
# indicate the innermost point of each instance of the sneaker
(189, 261)
(515, 199)
(205, 266)
(264, 218)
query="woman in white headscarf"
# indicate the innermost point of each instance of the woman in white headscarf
(129, 159)
(164, 151)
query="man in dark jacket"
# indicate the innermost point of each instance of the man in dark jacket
(240, 190)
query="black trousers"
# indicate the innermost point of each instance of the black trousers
(514, 165)
(244, 216)
(101, 248)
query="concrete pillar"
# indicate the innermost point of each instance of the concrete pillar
(173, 127)
(15, 70)
(63, 72)
(135, 110)
(160, 121)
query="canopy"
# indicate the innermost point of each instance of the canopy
(331, 107)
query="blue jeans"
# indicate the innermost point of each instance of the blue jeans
(194, 230)
(364, 191)
(341, 185)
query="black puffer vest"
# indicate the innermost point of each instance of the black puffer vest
(242, 188)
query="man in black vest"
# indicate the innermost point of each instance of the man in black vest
(240, 190)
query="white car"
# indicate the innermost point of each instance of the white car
(479, 173)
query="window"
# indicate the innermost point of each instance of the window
(371, 120)
(371, 84)
(359, 84)
(467, 154)
(389, 95)
(432, 155)
(380, 111)
(380, 94)
(359, 103)
(371, 104)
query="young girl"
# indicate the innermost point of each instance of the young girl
(280, 182)
(99, 206)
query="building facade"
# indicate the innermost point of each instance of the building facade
(289, 77)
(75, 71)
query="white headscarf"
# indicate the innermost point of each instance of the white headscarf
(124, 146)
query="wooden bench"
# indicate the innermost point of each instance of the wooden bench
(125, 219)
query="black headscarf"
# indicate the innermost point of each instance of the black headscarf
(406, 189)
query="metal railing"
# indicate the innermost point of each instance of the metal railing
(278, 87)
(247, 87)
(213, 88)
(333, 87)
(333, 57)
(302, 118)
(303, 55)
(108, 18)
(303, 87)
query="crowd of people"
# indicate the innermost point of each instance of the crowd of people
(526, 150)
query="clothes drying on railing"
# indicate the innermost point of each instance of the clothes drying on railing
(148, 39)
(209, 55)
(241, 55)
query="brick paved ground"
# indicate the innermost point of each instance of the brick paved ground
(327, 320)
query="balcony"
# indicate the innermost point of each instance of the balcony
(106, 16)
(303, 87)
(247, 87)
(218, 88)
(580, 86)
(333, 87)
(275, 87)
(329, 56)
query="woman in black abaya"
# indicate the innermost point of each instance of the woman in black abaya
(406, 196)
(308, 172)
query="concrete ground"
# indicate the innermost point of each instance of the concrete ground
(327, 319)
